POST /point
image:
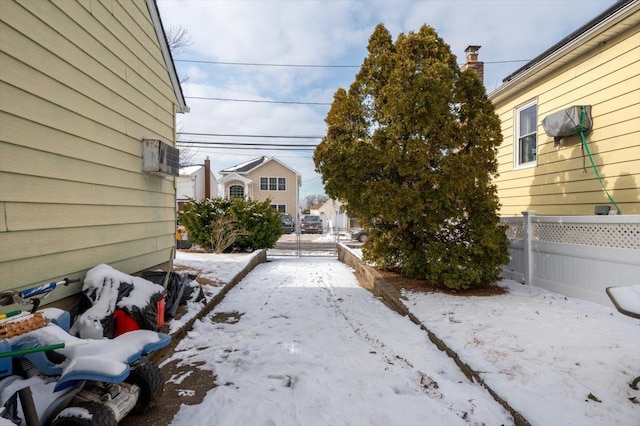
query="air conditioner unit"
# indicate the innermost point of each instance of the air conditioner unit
(160, 158)
(568, 122)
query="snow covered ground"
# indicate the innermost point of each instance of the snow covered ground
(557, 360)
(214, 269)
(305, 345)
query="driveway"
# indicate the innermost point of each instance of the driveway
(299, 342)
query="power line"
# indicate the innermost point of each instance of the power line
(257, 101)
(231, 147)
(253, 64)
(291, 66)
(248, 136)
(505, 62)
(241, 154)
(266, 145)
(314, 182)
(241, 146)
(258, 64)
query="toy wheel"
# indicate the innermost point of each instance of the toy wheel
(148, 377)
(100, 416)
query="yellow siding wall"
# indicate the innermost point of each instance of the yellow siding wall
(288, 197)
(82, 83)
(609, 80)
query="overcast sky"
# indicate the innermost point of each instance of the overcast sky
(334, 35)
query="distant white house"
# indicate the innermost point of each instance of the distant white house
(332, 215)
(197, 182)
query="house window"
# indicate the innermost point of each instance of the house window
(525, 147)
(282, 208)
(236, 191)
(273, 184)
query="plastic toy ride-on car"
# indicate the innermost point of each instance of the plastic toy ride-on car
(50, 377)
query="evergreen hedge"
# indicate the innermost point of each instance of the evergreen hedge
(258, 222)
(411, 151)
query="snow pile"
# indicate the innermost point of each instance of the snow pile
(101, 356)
(627, 298)
(219, 271)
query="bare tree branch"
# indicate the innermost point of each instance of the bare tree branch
(178, 39)
(187, 153)
(224, 232)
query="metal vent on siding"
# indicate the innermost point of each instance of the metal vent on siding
(160, 158)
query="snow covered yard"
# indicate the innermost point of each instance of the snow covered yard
(557, 360)
(303, 344)
(214, 271)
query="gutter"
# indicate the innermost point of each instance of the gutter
(166, 54)
(542, 64)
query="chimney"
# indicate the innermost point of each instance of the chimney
(472, 62)
(207, 178)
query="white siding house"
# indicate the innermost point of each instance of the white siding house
(197, 182)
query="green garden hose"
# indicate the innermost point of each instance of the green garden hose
(593, 165)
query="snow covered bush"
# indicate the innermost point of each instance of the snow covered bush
(260, 221)
(248, 225)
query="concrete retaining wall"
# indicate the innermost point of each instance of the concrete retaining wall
(370, 279)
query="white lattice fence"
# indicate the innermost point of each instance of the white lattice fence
(616, 235)
(575, 255)
(515, 233)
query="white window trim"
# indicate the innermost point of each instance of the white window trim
(516, 137)
(277, 178)
(244, 190)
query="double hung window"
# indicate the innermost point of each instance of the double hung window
(526, 144)
(273, 184)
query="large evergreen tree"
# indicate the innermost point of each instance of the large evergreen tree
(411, 149)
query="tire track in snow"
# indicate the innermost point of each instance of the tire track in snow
(426, 384)
(310, 346)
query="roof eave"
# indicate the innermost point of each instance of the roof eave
(166, 54)
(282, 164)
(233, 176)
(593, 37)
